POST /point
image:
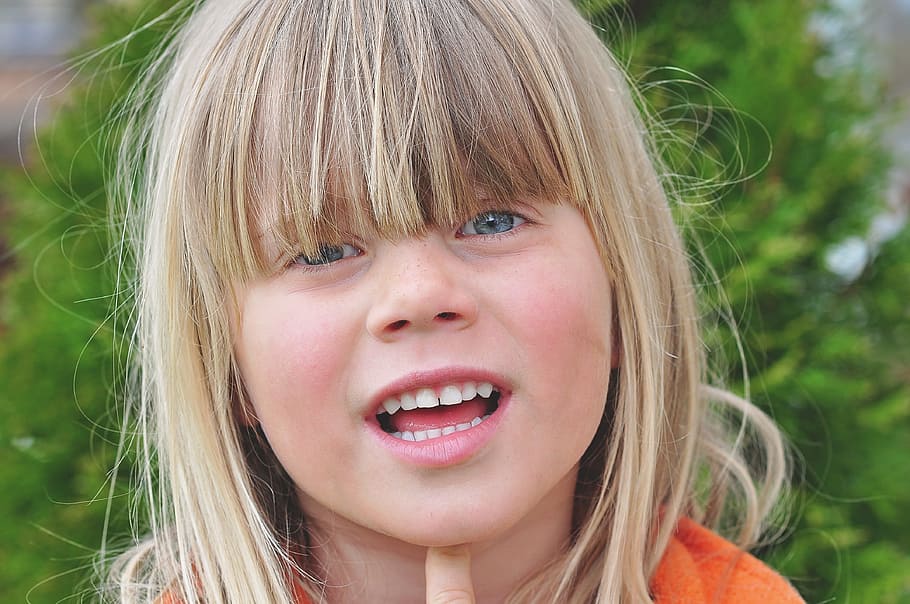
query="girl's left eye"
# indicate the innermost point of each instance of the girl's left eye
(493, 222)
(328, 254)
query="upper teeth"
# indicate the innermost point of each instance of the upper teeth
(427, 398)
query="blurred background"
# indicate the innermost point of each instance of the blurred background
(35, 36)
(791, 140)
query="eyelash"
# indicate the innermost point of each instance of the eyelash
(300, 262)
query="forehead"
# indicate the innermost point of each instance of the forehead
(335, 117)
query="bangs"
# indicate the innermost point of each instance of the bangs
(386, 119)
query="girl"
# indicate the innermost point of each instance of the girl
(414, 322)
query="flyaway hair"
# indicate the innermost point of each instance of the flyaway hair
(302, 121)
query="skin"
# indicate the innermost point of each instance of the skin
(316, 344)
(448, 572)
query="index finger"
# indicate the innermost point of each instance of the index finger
(448, 571)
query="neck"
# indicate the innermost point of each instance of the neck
(364, 566)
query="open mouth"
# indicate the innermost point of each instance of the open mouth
(429, 413)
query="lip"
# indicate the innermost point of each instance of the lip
(434, 379)
(448, 450)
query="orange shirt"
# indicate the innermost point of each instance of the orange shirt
(699, 566)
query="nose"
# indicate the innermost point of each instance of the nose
(420, 286)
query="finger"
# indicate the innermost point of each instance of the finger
(449, 575)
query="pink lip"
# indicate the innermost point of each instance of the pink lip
(447, 450)
(434, 379)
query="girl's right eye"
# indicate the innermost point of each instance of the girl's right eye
(329, 254)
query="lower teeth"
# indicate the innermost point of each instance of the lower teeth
(421, 435)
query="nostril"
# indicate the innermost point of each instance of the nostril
(446, 316)
(400, 324)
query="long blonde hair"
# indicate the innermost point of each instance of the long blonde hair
(392, 114)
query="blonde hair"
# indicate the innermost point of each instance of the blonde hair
(310, 114)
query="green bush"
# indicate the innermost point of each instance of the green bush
(59, 373)
(827, 357)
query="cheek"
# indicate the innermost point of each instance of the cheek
(567, 306)
(573, 337)
(293, 355)
(560, 315)
(288, 357)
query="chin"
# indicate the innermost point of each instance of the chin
(447, 537)
(441, 529)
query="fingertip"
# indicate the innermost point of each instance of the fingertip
(448, 573)
(457, 553)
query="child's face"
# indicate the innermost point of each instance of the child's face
(522, 305)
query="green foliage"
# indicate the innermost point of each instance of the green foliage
(58, 417)
(827, 358)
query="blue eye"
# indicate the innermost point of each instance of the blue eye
(493, 222)
(329, 254)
